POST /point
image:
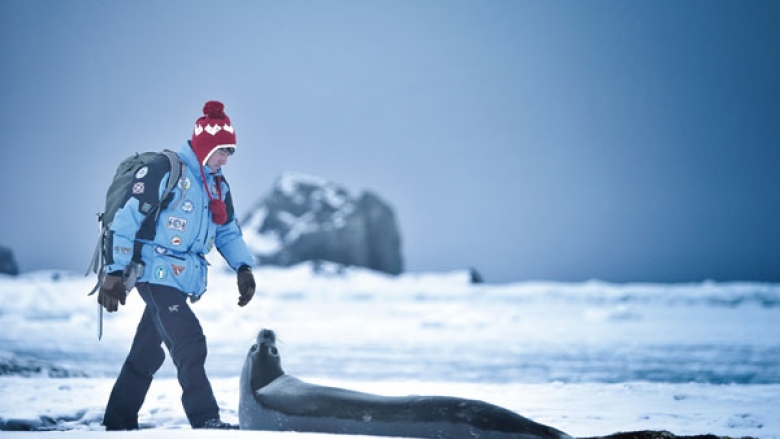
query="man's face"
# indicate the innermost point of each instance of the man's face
(219, 158)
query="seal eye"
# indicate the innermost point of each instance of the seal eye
(274, 351)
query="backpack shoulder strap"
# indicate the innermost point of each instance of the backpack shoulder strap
(176, 171)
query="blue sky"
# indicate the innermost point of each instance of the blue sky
(561, 140)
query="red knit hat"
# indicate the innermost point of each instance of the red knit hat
(213, 130)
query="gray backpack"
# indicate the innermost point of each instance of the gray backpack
(118, 194)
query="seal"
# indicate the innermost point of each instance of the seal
(271, 400)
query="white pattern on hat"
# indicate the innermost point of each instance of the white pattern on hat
(213, 129)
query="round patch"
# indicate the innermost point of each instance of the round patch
(160, 272)
(184, 183)
(138, 188)
(141, 173)
(187, 206)
(176, 240)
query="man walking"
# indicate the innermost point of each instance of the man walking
(166, 250)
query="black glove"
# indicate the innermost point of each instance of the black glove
(246, 285)
(112, 292)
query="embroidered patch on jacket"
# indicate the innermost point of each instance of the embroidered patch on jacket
(178, 224)
(141, 173)
(177, 269)
(160, 272)
(176, 240)
(187, 206)
(138, 188)
(146, 207)
(160, 250)
(184, 183)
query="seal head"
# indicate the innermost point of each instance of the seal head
(263, 357)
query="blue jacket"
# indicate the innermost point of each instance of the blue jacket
(174, 243)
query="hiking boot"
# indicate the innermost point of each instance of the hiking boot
(113, 427)
(217, 424)
(114, 422)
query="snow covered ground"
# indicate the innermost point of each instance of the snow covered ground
(588, 358)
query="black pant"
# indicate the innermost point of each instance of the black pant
(167, 319)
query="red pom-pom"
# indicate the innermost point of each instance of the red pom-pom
(214, 110)
(218, 211)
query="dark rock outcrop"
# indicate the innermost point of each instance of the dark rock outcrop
(307, 218)
(475, 277)
(7, 262)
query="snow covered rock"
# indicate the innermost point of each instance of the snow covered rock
(306, 218)
(11, 364)
(658, 434)
(7, 262)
